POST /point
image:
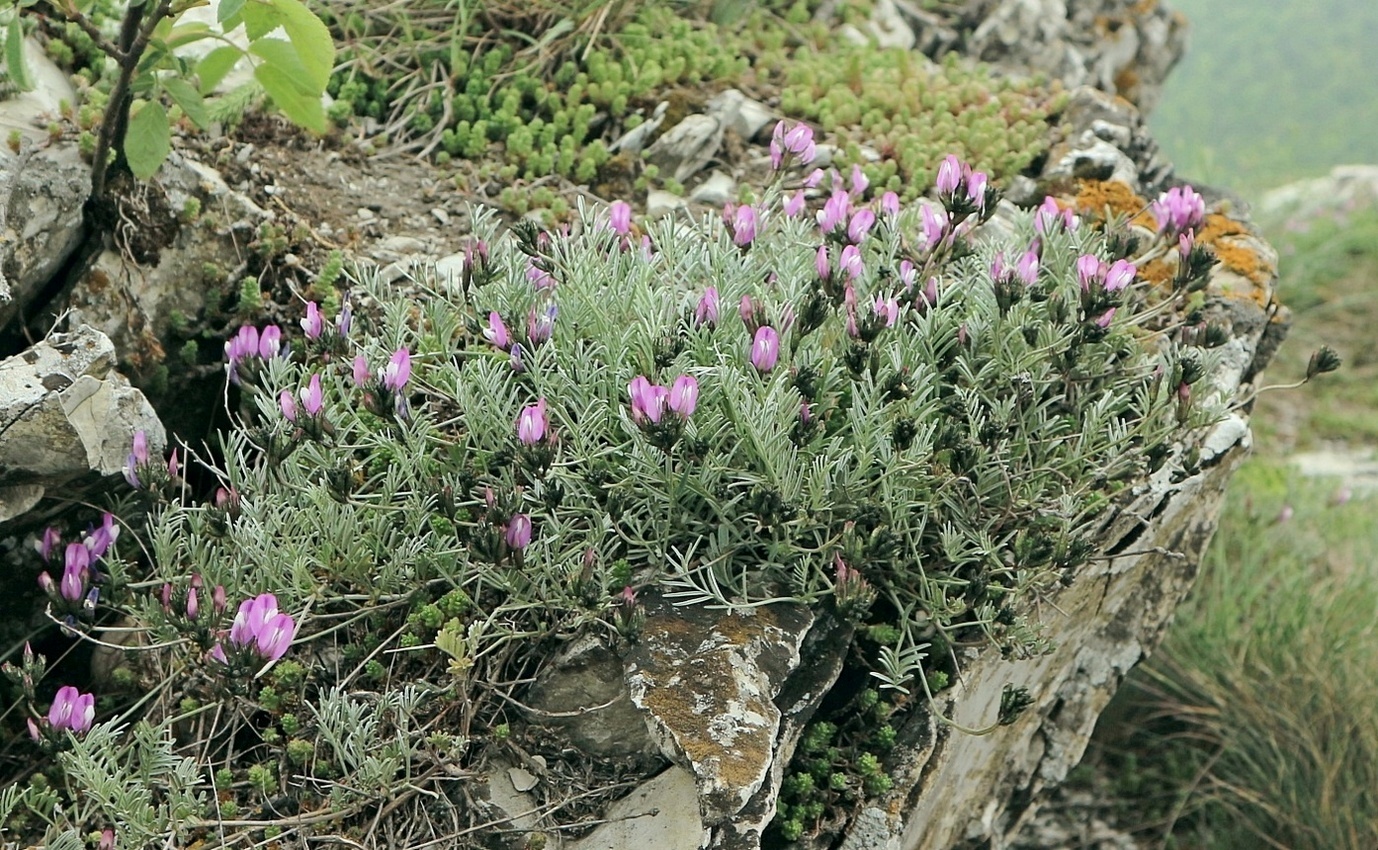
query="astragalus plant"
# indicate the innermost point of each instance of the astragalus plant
(905, 416)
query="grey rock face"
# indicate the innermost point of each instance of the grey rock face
(66, 413)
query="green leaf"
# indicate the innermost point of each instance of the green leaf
(185, 95)
(260, 18)
(211, 70)
(228, 9)
(311, 38)
(14, 56)
(188, 33)
(148, 140)
(301, 107)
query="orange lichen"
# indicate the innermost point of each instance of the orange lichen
(1159, 272)
(1220, 234)
(1126, 81)
(1102, 199)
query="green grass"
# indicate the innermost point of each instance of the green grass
(1330, 281)
(1255, 725)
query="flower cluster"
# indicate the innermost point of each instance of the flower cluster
(260, 633)
(78, 591)
(71, 711)
(141, 473)
(247, 349)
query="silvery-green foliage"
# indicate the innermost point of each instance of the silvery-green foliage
(370, 736)
(132, 777)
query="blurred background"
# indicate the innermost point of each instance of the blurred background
(1255, 725)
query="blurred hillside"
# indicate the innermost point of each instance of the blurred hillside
(1272, 91)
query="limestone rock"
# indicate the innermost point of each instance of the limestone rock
(134, 304)
(687, 147)
(66, 413)
(740, 114)
(1106, 140)
(42, 189)
(662, 814)
(584, 694)
(1120, 47)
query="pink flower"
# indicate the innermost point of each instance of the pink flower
(1179, 209)
(620, 217)
(99, 540)
(706, 312)
(48, 542)
(270, 342)
(851, 262)
(1120, 275)
(976, 189)
(822, 264)
(539, 326)
(311, 396)
(648, 400)
(361, 374)
(496, 332)
(275, 636)
(288, 405)
(934, 226)
(949, 175)
(888, 309)
(1105, 319)
(313, 324)
(796, 141)
(743, 225)
(252, 616)
(684, 396)
(398, 370)
(138, 457)
(193, 605)
(72, 710)
(1027, 268)
(1089, 271)
(532, 423)
(862, 222)
(859, 181)
(540, 278)
(835, 212)
(795, 205)
(765, 349)
(518, 534)
(890, 204)
(1050, 213)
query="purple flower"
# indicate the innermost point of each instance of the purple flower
(860, 183)
(313, 324)
(1090, 269)
(815, 177)
(343, 320)
(1027, 268)
(496, 332)
(835, 212)
(796, 141)
(72, 710)
(532, 423)
(288, 405)
(1179, 209)
(706, 311)
(976, 189)
(888, 309)
(648, 400)
(862, 222)
(684, 396)
(743, 225)
(361, 374)
(890, 204)
(539, 277)
(851, 262)
(539, 326)
(515, 358)
(260, 628)
(1050, 214)
(49, 541)
(908, 274)
(620, 217)
(1104, 321)
(949, 175)
(934, 226)
(172, 466)
(765, 349)
(193, 606)
(1120, 275)
(518, 534)
(99, 540)
(270, 342)
(822, 264)
(795, 205)
(138, 457)
(76, 572)
(311, 397)
(398, 370)
(753, 316)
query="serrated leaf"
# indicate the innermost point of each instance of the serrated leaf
(14, 56)
(148, 140)
(227, 10)
(260, 19)
(301, 108)
(185, 95)
(311, 38)
(211, 70)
